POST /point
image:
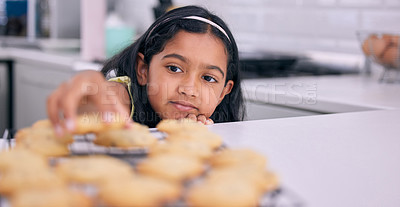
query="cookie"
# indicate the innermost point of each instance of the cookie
(171, 167)
(271, 181)
(139, 191)
(230, 157)
(96, 169)
(40, 132)
(22, 179)
(183, 148)
(44, 145)
(232, 193)
(209, 138)
(93, 123)
(170, 126)
(125, 138)
(44, 123)
(262, 180)
(60, 197)
(138, 127)
(21, 159)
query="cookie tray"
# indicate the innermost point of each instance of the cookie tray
(83, 145)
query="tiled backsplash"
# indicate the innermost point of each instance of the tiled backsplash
(287, 25)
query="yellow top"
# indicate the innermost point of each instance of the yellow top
(127, 81)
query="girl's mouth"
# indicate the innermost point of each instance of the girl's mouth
(183, 105)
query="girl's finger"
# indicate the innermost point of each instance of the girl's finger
(52, 112)
(113, 111)
(115, 97)
(192, 117)
(209, 122)
(79, 87)
(68, 104)
(53, 108)
(123, 114)
(201, 118)
(129, 124)
(108, 111)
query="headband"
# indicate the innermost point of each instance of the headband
(202, 19)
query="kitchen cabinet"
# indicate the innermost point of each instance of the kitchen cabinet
(258, 110)
(3, 97)
(33, 82)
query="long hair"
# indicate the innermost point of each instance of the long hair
(154, 40)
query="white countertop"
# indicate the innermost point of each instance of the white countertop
(326, 94)
(343, 159)
(69, 59)
(347, 159)
(61, 58)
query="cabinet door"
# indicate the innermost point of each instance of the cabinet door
(3, 98)
(33, 82)
(256, 111)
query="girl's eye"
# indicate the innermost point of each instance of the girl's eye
(174, 69)
(209, 79)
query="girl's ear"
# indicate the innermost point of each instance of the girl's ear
(227, 89)
(141, 69)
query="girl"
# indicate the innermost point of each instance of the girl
(184, 66)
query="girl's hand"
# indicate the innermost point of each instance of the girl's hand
(87, 91)
(200, 118)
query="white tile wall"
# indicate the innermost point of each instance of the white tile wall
(289, 3)
(319, 2)
(136, 13)
(288, 25)
(361, 3)
(391, 3)
(381, 19)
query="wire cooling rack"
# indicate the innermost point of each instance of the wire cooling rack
(83, 145)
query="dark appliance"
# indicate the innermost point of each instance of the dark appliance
(271, 64)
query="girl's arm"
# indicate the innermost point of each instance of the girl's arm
(88, 91)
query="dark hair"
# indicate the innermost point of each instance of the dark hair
(154, 40)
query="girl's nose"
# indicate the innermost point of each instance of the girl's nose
(189, 89)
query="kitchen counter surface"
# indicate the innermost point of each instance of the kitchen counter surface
(68, 59)
(61, 58)
(347, 159)
(325, 94)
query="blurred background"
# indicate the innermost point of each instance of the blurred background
(258, 25)
(288, 25)
(45, 42)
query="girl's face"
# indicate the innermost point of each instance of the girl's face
(187, 77)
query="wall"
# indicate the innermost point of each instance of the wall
(288, 25)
